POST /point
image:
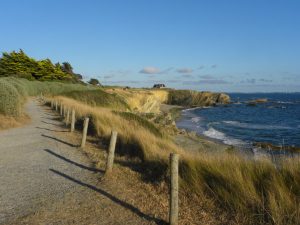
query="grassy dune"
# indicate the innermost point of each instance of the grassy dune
(250, 192)
(13, 92)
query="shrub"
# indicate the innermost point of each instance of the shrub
(13, 92)
(17, 83)
(10, 99)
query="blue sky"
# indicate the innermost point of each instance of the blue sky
(227, 45)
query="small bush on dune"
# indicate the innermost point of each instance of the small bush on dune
(10, 99)
(17, 83)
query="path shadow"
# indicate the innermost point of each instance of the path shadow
(42, 128)
(57, 118)
(55, 124)
(152, 172)
(59, 140)
(112, 198)
(73, 162)
(50, 114)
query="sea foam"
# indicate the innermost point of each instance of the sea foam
(256, 126)
(215, 134)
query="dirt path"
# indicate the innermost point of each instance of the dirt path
(45, 179)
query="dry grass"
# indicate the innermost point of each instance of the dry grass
(255, 192)
(126, 183)
(7, 122)
(142, 142)
(252, 192)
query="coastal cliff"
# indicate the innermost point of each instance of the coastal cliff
(150, 100)
(194, 98)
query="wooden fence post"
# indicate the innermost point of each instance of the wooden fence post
(61, 109)
(68, 117)
(73, 120)
(56, 105)
(111, 152)
(84, 132)
(64, 111)
(173, 210)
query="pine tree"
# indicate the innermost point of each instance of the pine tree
(20, 65)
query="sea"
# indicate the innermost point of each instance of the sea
(241, 124)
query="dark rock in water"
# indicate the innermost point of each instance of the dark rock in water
(257, 101)
(251, 104)
(269, 146)
(260, 100)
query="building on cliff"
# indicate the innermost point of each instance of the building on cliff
(159, 86)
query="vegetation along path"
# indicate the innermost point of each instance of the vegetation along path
(45, 179)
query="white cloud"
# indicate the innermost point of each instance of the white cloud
(184, 70)
(150, 70)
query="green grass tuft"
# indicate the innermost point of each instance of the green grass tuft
(141, 122)
(14, 91)
(99, 98)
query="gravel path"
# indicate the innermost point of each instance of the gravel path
(45, 179)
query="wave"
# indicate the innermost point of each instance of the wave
(200, 107)
(215, 134)
(283, 102)
(195, 119)
(256, 126)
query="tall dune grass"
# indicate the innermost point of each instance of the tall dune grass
(256, 191)
(131, 133)
(14, 91)
(252, 192)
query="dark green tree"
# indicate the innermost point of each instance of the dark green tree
(66, 67)
(94, 81)
(20, 65)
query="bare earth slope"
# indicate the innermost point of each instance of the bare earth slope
(44, 179)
